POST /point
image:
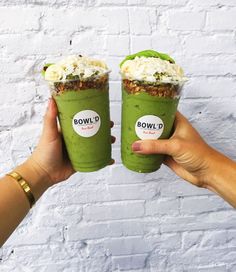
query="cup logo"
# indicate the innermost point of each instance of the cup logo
(149, 127)
(86, 123)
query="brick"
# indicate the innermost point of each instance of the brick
(115, 111)
(162, 206)
(25, 143)
(59, 215)
(87, 43)
(186, 20)
(35, 237)
(75, 20)
(201, 257)
(114, 26)
(164, 241)
(101, 230)
(36, 44)
(136, 2)
(121, 175)
(129, 192)
(215, 3)
(111, 2)
(231, 238)
(115, 91)
(116, 155)
(113, 64)
(129, 262)
(53, 3)
(204, 204)
(209, 66)
(210, 87)
(12, 116)
(116, 131)
(17, 20)
(139, 43)
(167, 44)
(208, 221)
(166, 2)
(22, 92)
(38, 113)
(214, 239)
(208, 239)
(214, 268)
(181, 188)
(210, 45)
(191, 240)
(97, 193)
(127, 246)
(6, 163)
(139, 22)
(113, 211)
(15, 68)
(118, 45)
(221, 19)
(213, 110)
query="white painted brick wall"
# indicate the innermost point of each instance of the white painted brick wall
(117, 220)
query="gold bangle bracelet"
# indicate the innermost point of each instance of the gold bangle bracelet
(24, 185)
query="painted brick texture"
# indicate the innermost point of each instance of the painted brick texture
(117, 220)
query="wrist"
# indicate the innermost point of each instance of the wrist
(219, 167)
(35, 176)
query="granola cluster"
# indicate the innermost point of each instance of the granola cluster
(161, 90)
(77, 85)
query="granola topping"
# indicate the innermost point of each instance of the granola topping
(59, 88)
(161, 90)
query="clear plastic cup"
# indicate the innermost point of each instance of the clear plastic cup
(148, 112)
(84, 116)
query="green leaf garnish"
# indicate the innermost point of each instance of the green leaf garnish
(148, 54)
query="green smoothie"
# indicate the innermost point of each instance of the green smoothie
(79, 85)
(85, 122)
(145, 108)
(151, 86)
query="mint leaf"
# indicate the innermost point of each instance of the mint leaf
(148, 54)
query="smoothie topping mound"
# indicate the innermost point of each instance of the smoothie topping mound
(79, 67)
(151, 67)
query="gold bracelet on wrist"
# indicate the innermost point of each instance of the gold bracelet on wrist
(25, 187)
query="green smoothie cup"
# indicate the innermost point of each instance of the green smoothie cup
(84, 118)
(148, 110)
(146, 116)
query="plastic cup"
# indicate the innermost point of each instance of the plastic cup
(148, 112)
(84, 116)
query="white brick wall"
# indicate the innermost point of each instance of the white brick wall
(117, 220)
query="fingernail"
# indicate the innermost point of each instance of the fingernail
(136, 146)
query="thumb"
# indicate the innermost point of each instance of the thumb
(155, 147)
(50, 128)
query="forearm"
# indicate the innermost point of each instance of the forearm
(14, 204)
(222, 178)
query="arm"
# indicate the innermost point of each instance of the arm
(47, 166)
(193, 160)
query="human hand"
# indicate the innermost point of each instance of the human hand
(50, 154)
(49, 163)
(188, 154)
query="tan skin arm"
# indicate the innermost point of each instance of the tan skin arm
(191, 158)
(41, 171)
(47, 166)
